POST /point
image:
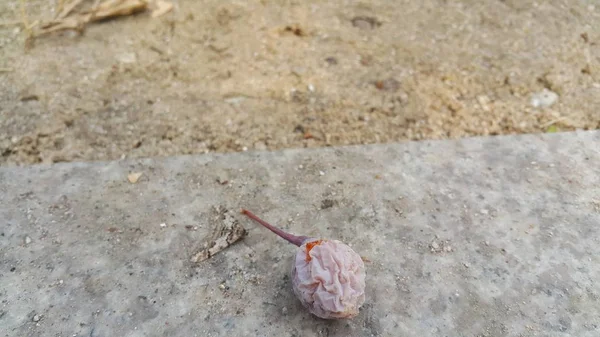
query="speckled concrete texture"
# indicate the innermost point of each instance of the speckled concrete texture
(479, 237)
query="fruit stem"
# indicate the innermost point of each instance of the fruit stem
(296, 240)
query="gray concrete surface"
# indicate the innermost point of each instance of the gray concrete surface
(479, 237)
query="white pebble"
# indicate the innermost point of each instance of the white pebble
(544, 99)
(127, 58)
(27, 240)
(321, 173)
(36, 318)
(163, 225)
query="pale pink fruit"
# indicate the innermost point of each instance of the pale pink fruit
(328, 277)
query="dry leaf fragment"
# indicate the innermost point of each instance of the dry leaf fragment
(134, 177)
(105, 10)
(162, 7)
(227, 232)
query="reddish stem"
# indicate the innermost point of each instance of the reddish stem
(297, 240)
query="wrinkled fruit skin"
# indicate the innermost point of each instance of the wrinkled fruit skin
(330, 279)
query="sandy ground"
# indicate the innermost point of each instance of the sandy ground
(243, 75)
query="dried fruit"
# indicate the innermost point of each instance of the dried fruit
(328, 277)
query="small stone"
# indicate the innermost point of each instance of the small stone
(365, 22)
(127, 58)
(134, 177)
(331, 60)
(163, 225)
(311, 88)
(222, 286)
(435, 245)
(544, 99)
(27, 240)
(284, 311)
(36, 318)
(223, 178)
(483, 100)
(321, 173)
(389, 84)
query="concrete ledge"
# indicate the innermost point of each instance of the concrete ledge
(479, 237)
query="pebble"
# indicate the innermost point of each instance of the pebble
(544, 99)
(134, 177)
(127, 58)
(484, 101)
(284, 311)
(27, 240)
(163, 225)
(321, 173)
(331, 60)
(36, 318)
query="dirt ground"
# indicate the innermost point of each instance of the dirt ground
(243, 75)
